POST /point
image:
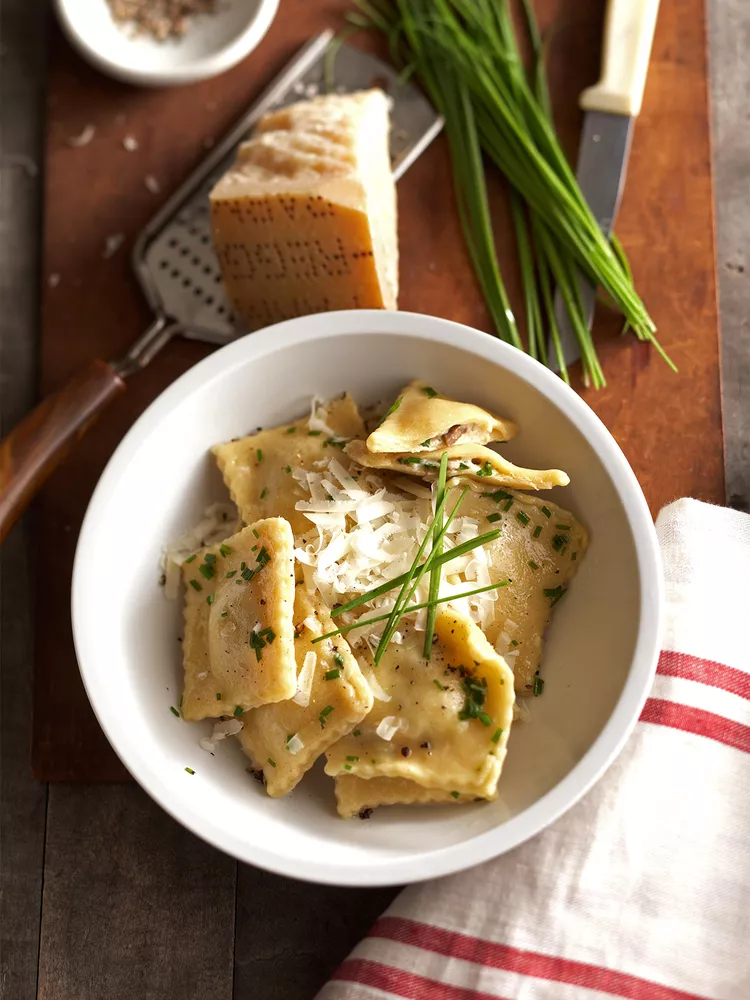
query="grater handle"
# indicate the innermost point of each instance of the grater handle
(43, 439)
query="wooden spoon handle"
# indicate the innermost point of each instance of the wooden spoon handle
(45, 437)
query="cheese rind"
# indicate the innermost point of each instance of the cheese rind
(305, 220)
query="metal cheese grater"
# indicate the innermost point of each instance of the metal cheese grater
(173, 256)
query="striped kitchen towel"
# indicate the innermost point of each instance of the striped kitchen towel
(642, 890)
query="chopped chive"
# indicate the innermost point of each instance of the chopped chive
(332, 675)
(546, 511)
(224, 614)
(335, 442)
(263, 492)
(538, 686)
(484, 719)
(352, 759)
(287, 468)
(563, 527)
(492, 518)
(257, 642)
(211, 598)
(254, 548)
(195, 585)
(425, 444)
(498, 495)
(238, 710)
(523, 518)
(429, 391)
(291, 430)
(270, 760)
(357, 732)
(412, 460)
(559, 542)
(555, 593)
(438, 685)
(462, 466)
(225, 550)
(218, 695)
(514, 642)
(243, 565)
(485, 471)
(256, 533)
(174, 711)
(496, 735)
(190, 559)
(206, 570)
(456, 795)
(508, 505)
(347, 767)
(209, 558)
(574, 556)
(190, 770)
(533, 564)
(537, 531)
(323, 713)
(247, 574)
(314, 434)
(259, 454)
(230, 574)
(394, 407)
(338, 659)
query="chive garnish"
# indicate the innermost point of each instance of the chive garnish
(538, 686)
(323, 713)
(537, 531)
(429, 391)
(338, 659)
(257, 642)
(546, 511)
(263, 493)
(259, 454)
(335, 442)
(456, 795)
(533, 564)
(563, 527)
(462, 466)
(485, 471)
(224, 614)
(291, 430)
(394, 407)
(195, 585)
(459, 550)
(211, 598)
(438, 685)
(256, 533)
(314, 434)
(523, 518)
(484, 719)
(573, 557)
(492, 518)
(498, 495)
(437, 550)
(357, 732)
(247, 574)
(347, 767)
(352, 759)
(496, 735)
(238, 710)
(508, 505)
(206, 570)
(287, 468)
(225, 550)
(190, 559)
(218, 695)
(174, 711)
(270, 760)
(332, 675)
(559, 542)
(514, 642)
(190, 770)
(425, 444)
(474, 690)
(412, 460)
(555, 593)
(209, 558)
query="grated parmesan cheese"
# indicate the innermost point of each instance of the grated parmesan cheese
(388, 727)
(305, 679)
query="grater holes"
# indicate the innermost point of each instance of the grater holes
(186, 283)
(163, 264)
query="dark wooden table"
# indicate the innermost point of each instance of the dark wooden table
(102, 894)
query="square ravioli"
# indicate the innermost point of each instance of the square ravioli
(540, 549)
(238, 649)
(258, 469)
(359, 796)
(446, 722)
(285, 739)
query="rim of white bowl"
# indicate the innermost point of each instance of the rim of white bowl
(200, 68)
(598, 757)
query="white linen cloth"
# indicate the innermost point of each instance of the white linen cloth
(642, 890)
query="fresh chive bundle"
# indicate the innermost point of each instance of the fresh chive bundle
(466, 55)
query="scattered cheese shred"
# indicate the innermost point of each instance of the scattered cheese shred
(388, 727)
(305, 679)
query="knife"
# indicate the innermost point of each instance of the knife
(612, 106)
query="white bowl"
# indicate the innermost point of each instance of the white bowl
(212, 44)
(599, 659)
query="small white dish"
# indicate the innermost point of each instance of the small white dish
(212, 43)
(599, 659)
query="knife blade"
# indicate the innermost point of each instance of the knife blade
(611, 107)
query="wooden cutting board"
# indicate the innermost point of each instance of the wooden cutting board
(668, 425)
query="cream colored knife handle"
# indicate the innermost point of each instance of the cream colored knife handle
(628, 34)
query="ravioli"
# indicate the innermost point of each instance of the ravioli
(470, 460)
(453, 714)
(355, 796)
(540, 549)
(258, 469)
(238, 649)
(285, 739)
(423, 420)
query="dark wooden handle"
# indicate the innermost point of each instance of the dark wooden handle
(45, 437)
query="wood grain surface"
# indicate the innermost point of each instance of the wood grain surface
(668, 425)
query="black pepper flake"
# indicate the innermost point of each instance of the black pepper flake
(405, 752)
(364, 813)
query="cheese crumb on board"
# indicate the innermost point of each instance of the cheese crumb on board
(305, 219)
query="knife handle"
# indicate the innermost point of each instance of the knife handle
(628, 33)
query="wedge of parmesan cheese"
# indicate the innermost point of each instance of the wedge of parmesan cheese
(305, 220)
